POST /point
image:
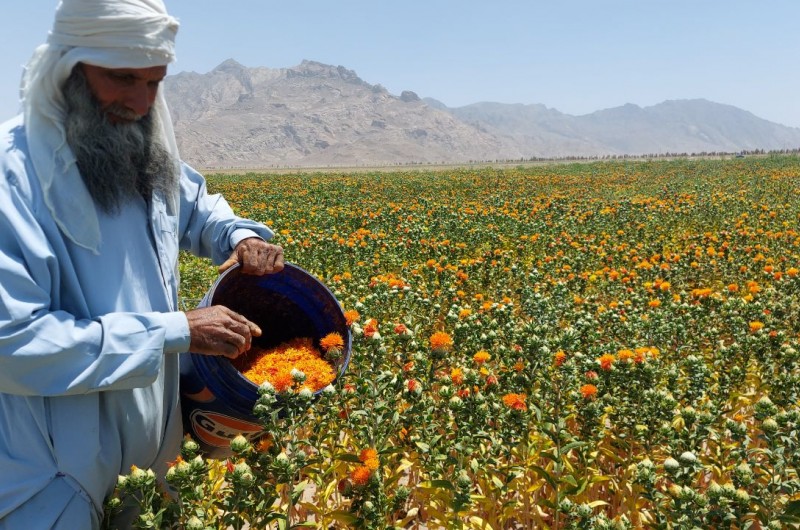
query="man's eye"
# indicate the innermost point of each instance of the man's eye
(122, 78)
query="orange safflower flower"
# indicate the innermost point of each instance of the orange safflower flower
(441, 341)
(624, 355)
(351, 316)
(588, 391)
(457, 376)
(655, 302)
(367, 454)
(515, 401)
(332, 341)
(481, 356)
(756, 326)
(519, 366)
(370, 327)
(640, 353)
(282, 381)
(606, 361)
(360, 475)
(559, 358)
(264, 444)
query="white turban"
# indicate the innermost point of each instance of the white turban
(106, 33)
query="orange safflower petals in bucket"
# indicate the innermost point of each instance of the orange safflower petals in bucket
(275, 365)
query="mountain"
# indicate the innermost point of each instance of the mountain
(314, 114)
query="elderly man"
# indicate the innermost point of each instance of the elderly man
(94, 207)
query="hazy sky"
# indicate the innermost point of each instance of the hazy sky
(577, 56)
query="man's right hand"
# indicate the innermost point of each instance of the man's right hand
(217, 330)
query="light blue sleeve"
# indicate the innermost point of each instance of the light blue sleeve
(47, 352)
(208, 227)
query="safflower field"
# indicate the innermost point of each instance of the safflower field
(602, 345)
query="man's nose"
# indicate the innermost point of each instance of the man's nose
(140, 100)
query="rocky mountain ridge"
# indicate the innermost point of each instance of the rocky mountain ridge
(318, 115)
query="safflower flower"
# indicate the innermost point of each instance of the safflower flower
(606, 361)
(559, 358)
(441, 341)
(360, 475)
(481, 356)
(588, 391)
(332, 341)
(624, 355)
(367, 454)
(515, 401)
(370, 328)
(351, 316)
(756, 326)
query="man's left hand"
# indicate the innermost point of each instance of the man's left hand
(255, 256)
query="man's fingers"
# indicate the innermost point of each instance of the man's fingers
(230, 262)
(255, 331)
(217, 330)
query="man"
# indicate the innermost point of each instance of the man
(94, 208)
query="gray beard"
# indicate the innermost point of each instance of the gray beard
(117, 161)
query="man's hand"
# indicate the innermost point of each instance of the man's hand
(217, 330)
(255, 256)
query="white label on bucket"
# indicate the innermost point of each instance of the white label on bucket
(218, 429)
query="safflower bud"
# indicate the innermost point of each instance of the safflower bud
(266, 388)
(714, 491)
(189, 448)
(194, 523)
(742, 497)
(769, 426)
(240, 444)
(671, 465)
(584, 511)
(298, 376)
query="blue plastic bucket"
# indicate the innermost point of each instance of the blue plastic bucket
(216, 399)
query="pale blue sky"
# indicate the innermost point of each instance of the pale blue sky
(577, 56)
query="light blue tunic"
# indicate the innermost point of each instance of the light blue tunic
(89, 342)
